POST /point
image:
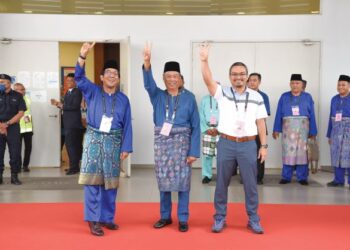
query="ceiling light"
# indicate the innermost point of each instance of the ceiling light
(315, 12)
(28, 11)
(169, 13)
(241, 13)
(98, 13)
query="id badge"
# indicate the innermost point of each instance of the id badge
(106, 124)
(295, 110)
(240, 128)
(213, 120)
(338, 116)
(166, 129)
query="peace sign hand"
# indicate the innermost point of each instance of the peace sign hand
(85, 49)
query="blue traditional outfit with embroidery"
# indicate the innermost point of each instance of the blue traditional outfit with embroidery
(100, 168)
(295, 119)
(209, 118)
(339, 133)
(170, 152)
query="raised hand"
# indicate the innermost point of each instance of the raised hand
(85, 49)
(204, 51)
(147, 55)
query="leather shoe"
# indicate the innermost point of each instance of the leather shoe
(303, 182)
(260, 182)
(26, 169)
(95, 228)
(1, 180)
(162, 223)
(206, 180)
(335, 184)
(15, 180)
(284, 181)
(72, 171)
(183, 226)
(110, 226)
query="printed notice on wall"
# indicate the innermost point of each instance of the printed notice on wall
(24, 77)
(39, 80)
(38, 96)
(52, 80)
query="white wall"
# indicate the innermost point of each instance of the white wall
(172, 36)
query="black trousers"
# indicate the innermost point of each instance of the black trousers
(27, 138)
(13, 141)
(261, 166)
(74, 146)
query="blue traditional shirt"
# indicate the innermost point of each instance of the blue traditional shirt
(338, 104)
(306, 108)
(208, 108)
(266, 101)
(94, 95)
(186, 114)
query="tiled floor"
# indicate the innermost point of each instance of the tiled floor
(142, 187)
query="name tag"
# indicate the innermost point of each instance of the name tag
(338, 116)
(106, 124)
(166, 129)
(213, 120)
(27, 118)
(240, 128)
(295, 110)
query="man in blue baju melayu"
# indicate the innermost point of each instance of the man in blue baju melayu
(108, 141)
(295, 119)
(176, 139)
(338, 132)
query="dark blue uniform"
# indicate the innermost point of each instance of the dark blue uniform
(10, 104)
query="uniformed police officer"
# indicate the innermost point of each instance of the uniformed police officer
(12, 107)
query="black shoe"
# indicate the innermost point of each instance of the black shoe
(260, 182)
(303, 182)
(1, 180)
(206, 180)
(26, 169)
(183, 227)
(284, 181)
(110, 226)
(95, 228)
(15, 180)
(334, 184)
(72, 171)
(162, 223)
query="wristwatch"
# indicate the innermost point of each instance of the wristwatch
(264, 146)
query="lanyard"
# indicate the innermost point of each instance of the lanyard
(167, 106)
(104, 103)
(211, 105)
(245, 103)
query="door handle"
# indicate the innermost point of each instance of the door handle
(53, 116)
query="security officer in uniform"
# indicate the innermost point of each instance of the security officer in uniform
(12, 108)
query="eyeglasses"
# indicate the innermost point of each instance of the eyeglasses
(238, 74)
(112, 73)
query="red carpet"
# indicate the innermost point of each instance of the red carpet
(61, 226)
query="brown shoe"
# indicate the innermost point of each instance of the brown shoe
(110, 226)
(95, 228)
